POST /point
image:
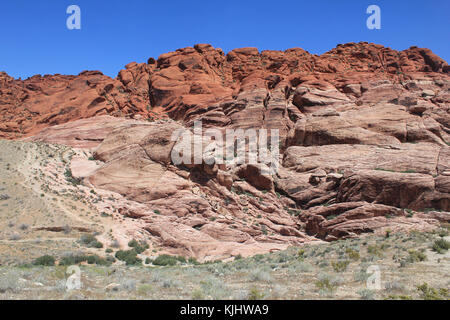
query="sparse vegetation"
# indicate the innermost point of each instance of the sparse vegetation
(327, 284)
(441, 246)
(340, 266)
(168, 260)
(70, 178)
(46, 260)
(90, 241)
(139, 247)
(429, 293)
(129, 256)
(416, 256)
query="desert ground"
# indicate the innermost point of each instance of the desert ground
(36, 222)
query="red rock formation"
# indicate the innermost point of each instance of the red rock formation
(365, 134)
(244, 88)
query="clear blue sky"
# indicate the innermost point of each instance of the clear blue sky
(35, 40)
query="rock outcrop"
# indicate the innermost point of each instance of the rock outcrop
(364, 142)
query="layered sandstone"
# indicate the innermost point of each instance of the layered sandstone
(365, 134)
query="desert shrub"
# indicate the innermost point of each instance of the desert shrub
(90, 241)
(70, 178)
(129, 256)
(77, 259)
(366, 294)
(264, 230)
(23, 227)
(95, 259)
(300, 267)
(375, 250)
(197, 294)
(214, 287)
(139, 247)
(442, 232)
(283, 257)
(352, 254)
(193, 261)
(9, 282)
(144, 289)
(46, 260)
(327, 284)
(128, 285)
(441, 246)
(72, 260)
(260, 275)
(416, 256)
(255, 294)
(165, 260)
(429, 293)
(168, 283)
(301, 254)
(394, 286)
(340, 266)
(322, 264)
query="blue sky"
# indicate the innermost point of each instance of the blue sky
(35, 39)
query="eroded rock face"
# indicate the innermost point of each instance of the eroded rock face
(364, 141)
(244, 88)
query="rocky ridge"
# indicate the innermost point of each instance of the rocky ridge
(365, 133)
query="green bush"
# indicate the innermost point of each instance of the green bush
(340, 266)
(255, 294)
(138, 247)
(94, 259)
(90, 241)
(72, 260)
(129, 256)
(70, 178)
(193, 261)
(416, 256)
(376, 250)
(326, 284)
(352, 254)
(44, 261)
(90, 259)
(165, 260)
(441, 246)
(301, 255)
(428, 293)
